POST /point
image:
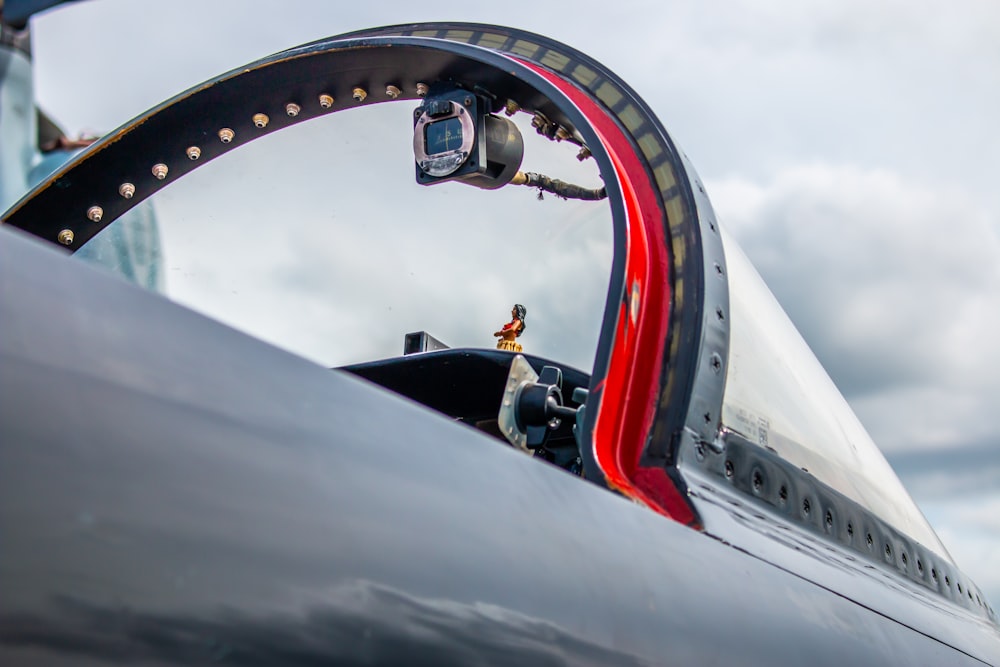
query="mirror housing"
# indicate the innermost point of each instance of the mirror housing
(456, 138)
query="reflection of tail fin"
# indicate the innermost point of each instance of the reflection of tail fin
(130, 248)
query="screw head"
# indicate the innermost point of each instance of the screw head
(422, 89)
(95, 213)
(160, 171)
(65, 237)
(226, 135)
(359, 94)
(293, 109)
(260, 120)
(325, 101)
(392, 92)
(126, 190)
(193, 152)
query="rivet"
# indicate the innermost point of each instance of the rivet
(193, 152)
(293, 109)
(511, 107)
(260, 120)
(422, 89)
(226, 135)
(160, 171)
(730, 469)
(359, 94)
(392, 92)
(716, 362)
(325, 101)
(583, 154)
(66, 237)
(126, 190)
(95, 213)
(562, 134)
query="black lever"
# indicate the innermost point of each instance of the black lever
(532, 405)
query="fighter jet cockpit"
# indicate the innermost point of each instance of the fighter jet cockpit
(378, 202)
(388, 228)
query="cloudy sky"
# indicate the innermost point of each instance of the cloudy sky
(851, 148)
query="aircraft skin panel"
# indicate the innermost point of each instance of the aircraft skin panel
(303, 514)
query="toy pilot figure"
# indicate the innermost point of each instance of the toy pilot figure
(512, 330)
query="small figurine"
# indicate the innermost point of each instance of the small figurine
(512, 330)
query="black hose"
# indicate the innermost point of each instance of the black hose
(559, 188)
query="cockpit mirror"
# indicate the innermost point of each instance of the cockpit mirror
(457, 138)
